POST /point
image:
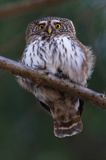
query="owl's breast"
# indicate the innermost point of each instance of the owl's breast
(69, 57)
(59, 53)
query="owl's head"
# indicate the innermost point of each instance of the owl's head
(50, 26)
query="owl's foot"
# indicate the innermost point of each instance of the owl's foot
(61, 75)
(77, 83)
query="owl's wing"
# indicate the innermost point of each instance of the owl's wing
(81, 106)
(45, 106)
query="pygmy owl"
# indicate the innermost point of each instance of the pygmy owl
(52, 46)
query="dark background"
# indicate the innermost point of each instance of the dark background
(26, 130)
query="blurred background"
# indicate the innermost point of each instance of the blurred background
(26, 130)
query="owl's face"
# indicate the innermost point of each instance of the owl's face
(49, 26)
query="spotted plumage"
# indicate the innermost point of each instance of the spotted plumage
(52, 46)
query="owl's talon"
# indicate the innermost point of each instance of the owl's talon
(71, 81)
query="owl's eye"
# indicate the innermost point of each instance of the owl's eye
(41, 26)
(57, 25)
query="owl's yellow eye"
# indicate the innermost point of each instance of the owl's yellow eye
(57, 25)
(41, 26)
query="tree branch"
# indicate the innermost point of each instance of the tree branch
(40, 78)
(24, 6)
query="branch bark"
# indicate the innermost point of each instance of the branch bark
(24, 6)
(40, 78)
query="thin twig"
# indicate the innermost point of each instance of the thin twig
(24, 6)
(40, 78)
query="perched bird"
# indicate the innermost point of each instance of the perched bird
(52, 46)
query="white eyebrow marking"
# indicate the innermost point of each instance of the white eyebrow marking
(55, 21)
(41, 22)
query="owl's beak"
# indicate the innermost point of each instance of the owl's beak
(49, 30)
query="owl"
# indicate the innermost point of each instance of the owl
(53, 47)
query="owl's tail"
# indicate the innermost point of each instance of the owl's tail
(67, 120)
(69, 128)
